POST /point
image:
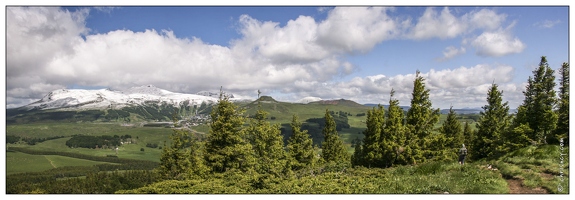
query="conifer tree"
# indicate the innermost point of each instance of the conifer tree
(453, 132)
(174, 161)
(394, 139)
(469, 136)
(371, 151)
(226, 145)
(420, 119)
(333, 149)
(300, 147)
(537, 107)
(267, 144)
(493, 121)
(562, 130)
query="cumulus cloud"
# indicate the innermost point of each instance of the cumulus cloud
(50, 48)
(441, 25)
(461, 87)
(498, 43)
(351, 29)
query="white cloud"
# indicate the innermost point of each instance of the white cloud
(451, 52)
(485, 19)
(46, 51)
(497, 43)
(547, 23)
(441, 25)
(351, 29)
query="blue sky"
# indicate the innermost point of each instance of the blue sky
(358, 53)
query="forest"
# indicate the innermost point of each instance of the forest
(401, 152)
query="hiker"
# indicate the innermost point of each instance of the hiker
(462, 154)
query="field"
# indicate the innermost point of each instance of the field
(142, 135)
(21, 162)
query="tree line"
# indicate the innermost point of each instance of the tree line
(392, 137)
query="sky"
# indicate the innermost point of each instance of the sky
(358, 53)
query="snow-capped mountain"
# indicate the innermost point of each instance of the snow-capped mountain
(72, 99)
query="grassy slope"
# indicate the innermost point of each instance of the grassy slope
(538, 167)
(21, 162)
(143, 135)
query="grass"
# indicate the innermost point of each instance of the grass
(538, 167)
(143, 135)
(20, 162)
(429, 178)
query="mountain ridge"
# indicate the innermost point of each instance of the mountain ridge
(81, 99)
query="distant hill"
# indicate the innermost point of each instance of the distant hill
(371, 105)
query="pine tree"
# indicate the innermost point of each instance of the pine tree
(493, 121)
(468, 135)
(451, 128)
(562, 130)
(537, 107)
(226, 146)
(300, 147)
(174, 161)
(371, 151)
(267, 144)
(333, 149)
(198, 166)
(394, 139)
(420, 120)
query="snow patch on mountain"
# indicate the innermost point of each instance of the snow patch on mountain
(72, 99)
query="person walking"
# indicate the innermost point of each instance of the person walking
(462, 155)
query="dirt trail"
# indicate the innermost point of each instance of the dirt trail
(50, 161)
(516, 187)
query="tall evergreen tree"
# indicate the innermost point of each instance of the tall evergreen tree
(227, 146)
(468, 135)
(300, 147)
(393, 137)
(562, 130)
(421, 118)
(371, 151)
(453, 132)
(493, 121)
(267, 144)
(174, 161)
(333, 149)
(537, 107)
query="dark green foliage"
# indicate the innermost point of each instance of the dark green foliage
(152, 145)
(429, 178)
(175, 161)
(333, 149)
(371, 150)
(420, 120)
(492, 124)
(469, 136)
(453, 133)
(92, 181)
(394, 139)
(22, 116)
(227, 146)
(87, 141)
(537, 108)
(300, 147)
(11, 139)
(267, 143)
(562, 130)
